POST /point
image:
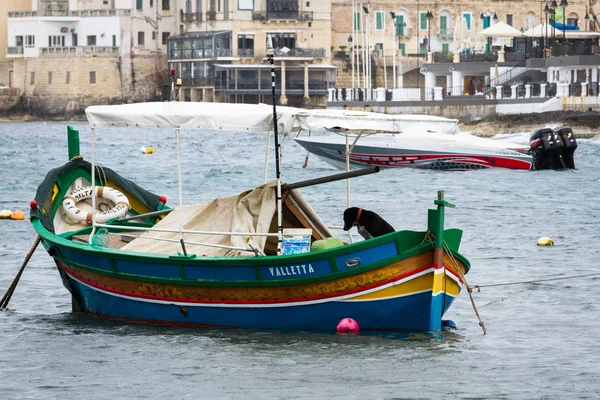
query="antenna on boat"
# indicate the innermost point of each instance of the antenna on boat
(271, 56)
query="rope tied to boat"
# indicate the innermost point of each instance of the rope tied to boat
(429, 237)
(464, 279)
(559, 278)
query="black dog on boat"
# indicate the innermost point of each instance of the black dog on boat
(368, 223)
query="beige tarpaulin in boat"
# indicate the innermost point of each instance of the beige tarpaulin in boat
(251, 211)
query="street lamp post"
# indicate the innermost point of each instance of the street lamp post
(393, 14)
(429, 17)
(351, 57)
(546, 11)
(564, 4)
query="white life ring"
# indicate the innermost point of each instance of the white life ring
(69, 204)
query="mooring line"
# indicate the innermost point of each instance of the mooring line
(478, 287)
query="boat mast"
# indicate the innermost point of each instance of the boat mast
(271, 56)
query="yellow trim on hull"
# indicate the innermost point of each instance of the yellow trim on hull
(429, 282)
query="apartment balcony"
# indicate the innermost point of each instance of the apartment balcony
(245, 52)
(14, 52)
(259, 16)
(77, 50)
(197, 54)
(305, 16)
(280, 15)
(192, 17)
(54, 8)
(446, 34)
(73, 13)
(300, 52)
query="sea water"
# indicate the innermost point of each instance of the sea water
(542, 337)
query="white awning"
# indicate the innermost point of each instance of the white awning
(581, 34)
(257, 118)
(500, 29)
(189, 115)
(543, 30)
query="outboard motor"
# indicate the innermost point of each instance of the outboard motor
(546, 149)
(569, 145)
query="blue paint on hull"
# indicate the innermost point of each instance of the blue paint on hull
(408, 312)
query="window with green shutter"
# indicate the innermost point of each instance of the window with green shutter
(468, 18)
(399, 25)
(445, 48)
(357, 21)
(423, 24)
(402, 48)
(379, 20)
(443, 25)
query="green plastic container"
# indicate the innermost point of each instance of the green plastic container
(325, 244)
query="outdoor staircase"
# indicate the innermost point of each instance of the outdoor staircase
(507, 77)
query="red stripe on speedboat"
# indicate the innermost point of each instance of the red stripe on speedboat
(163, 298)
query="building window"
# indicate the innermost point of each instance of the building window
(68, 77)
(379, 21)
(92, 77)
(198, 6)
(245, 4)
(154, 35)
(165, 36)
(32, 81)
(467, 16)
(423, 23)
(165, 5)
(19, 41)
(399, 25)
(56, 41)
(445, 48)
(246, 45)
(49, 77)
(91, 40)
(151, 3)
(572, 21)
(139, 4)
(281, 40)
(509, 19)
(140, 38)
(105, 2)
(29, 41)
(357, 21)
(402, 47)
(114, 42)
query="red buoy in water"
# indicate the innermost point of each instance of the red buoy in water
(348, 326)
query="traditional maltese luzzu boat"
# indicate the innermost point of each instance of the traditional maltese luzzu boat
(260, 259)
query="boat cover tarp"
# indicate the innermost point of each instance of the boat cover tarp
(257, 118)
(45, 191)
(250, 211)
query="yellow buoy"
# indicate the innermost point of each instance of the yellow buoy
(545, 241)
(5, 214)
(149, 150)
(18, 215)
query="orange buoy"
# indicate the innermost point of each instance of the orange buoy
(18, 215)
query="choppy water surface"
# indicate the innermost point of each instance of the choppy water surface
(541, 341)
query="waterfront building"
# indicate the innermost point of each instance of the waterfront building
(71, 53)
(221, 52)
(419, 46)
(6, 66)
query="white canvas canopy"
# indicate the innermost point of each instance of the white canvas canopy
(357, 120)
(256, 118)
(500, 29)
(190, 115)
(543, 30)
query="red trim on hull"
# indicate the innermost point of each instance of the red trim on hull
(162, 298)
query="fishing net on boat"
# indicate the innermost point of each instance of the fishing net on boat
(101, 238)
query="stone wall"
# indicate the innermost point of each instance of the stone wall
(66, 85)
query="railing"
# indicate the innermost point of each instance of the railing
(464, 92)
(245, 52)
(14, 50)
(100, 13)
(49, 51)
(72, 13)
(305, 16)
(484, 57)
(300, 52)
(211, 15)
(507, 76)
(445, 34)
(191, 17)
(191, 54)
(265, 84)
(259, 16)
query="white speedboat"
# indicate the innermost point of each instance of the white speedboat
(418, 149)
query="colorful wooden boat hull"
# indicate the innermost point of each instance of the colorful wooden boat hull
(389, 291)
